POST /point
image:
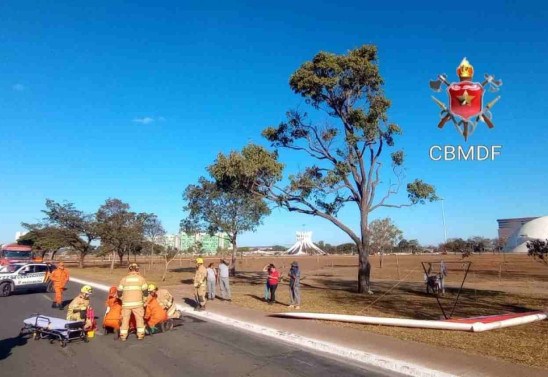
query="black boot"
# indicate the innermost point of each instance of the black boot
(54, 305)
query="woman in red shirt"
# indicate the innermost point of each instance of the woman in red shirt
(273, 280)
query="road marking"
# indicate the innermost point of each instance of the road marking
(47, 297)
(362, 357)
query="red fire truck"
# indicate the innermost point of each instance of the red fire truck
(13, 253)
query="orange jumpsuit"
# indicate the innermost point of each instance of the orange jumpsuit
(59, 277)
(154, 313)
(113, 316)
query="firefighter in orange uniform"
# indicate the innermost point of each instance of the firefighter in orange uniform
(133, 289)
(113, 316)
(154, 312)
(59, 278)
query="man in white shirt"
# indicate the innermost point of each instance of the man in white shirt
(223, 279)
(211, 280)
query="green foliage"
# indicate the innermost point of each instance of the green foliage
(408, 246)
(384, 235)
(420, 192)
(44, 239)
(538, 249)
(79, 229)
(346, 152)
(120, 229)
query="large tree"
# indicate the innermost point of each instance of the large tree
(217, 209)
(120, 229)
(346, 152)
(79, 228)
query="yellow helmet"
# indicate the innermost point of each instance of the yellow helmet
(134, 267)
(86, 289)
(199, 261)
(152, 287)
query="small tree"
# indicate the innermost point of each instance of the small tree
(169, 255)
(384, 235)
(538, 249)
(153, 231)
(221, 210)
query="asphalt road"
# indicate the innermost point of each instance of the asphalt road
(197, 348)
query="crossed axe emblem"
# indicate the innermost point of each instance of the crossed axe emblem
(468, 127)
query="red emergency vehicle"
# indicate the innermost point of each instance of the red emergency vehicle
(14, 253)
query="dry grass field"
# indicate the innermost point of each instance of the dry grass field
(495, 284)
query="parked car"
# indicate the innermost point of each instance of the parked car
(18, 277)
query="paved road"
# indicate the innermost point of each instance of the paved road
(197, 348)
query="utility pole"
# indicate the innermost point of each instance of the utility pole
(443, 216)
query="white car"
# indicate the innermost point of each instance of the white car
(23, 277)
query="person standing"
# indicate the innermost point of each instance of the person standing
(294, 286)
(59, 278)
(224, 280)
(211, 281)
(273, 280)
(200, 279)
(133, 289)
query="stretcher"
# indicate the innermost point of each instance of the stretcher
(54, 329)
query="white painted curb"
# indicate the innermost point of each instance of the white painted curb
(332, 349)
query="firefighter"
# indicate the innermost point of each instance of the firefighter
(59, 278)
(78, 308)
(168, 303)
(133, 292)
(200, 284)
(155, 314)
(113, 315)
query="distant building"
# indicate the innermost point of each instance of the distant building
(534, 229)
(172, 240)
(210, 244)
(507, 227)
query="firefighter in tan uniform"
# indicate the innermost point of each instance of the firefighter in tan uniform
(200, 279)
(133, 291)
(77, 309)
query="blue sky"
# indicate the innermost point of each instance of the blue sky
(134, 99)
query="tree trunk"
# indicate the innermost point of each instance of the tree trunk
(364, 269)
(232, 271)
(81, 260)
(380, 259)
(112, 259)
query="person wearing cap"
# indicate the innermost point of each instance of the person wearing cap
(154, 312)
(294, 286)
(200, 281)
(59, 278)
(78, 307)
(133, 290)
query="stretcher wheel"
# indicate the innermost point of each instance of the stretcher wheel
(35, 336)
(63, 343)
(51, 341)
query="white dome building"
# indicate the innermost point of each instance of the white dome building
(533, 230)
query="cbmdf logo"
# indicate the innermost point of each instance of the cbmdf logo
(466, 106)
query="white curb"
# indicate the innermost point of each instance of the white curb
(379, 361)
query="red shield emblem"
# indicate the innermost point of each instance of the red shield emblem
(465, 99)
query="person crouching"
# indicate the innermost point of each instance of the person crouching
(78, 307)
(155, 314)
